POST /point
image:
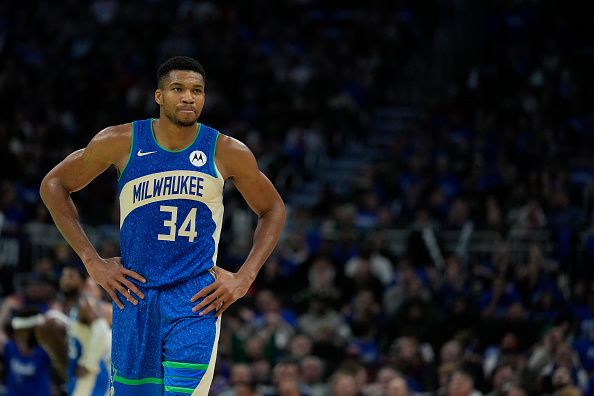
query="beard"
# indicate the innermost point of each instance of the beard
(70, 293)
(177, 121)
(32, 340)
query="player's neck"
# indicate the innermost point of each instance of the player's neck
(69, 302)
(172, 136)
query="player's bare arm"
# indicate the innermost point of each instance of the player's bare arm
(109, 147)
(88, 312)
(237, 163)
(51, 335)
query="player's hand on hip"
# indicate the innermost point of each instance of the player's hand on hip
(111, 275)
(227, 288)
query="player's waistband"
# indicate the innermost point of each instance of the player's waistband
(209, 272)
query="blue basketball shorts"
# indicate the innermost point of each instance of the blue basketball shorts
(160, 347)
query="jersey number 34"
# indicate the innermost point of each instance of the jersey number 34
(187, 228)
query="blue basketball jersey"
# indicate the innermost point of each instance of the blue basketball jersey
(171, 207)
(27, 375)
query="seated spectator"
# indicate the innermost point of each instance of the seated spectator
(362, 278)
(343, 383)
(320, 317)
(413, 360)
(461, 383)
(300, 346)
(383, 378)
(501, 377)
(451, 352)
(566, 366)
(496, 301)
(287, 380)
(381, 266)
(453, 282)
(364, 319)
(563, 384)
(240, 382)
(542, 353)
(515, 390)
(397, 387)
(408, 286)
(507, 354)
(313, 373)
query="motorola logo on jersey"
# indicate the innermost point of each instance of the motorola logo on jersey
(198, 158)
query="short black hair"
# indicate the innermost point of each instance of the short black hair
(26, 312)
(179, 63)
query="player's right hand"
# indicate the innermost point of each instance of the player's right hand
(111, 275)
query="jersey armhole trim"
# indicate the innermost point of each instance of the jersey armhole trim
(130, 153)
(215, 171)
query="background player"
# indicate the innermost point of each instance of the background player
(27, 364)
(89, 338)
(77, 335)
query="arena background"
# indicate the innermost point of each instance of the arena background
(435, 156)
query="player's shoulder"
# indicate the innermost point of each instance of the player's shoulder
(230, 145)
(115, 133)
(234, 157)
(113, 137)
(111, 144)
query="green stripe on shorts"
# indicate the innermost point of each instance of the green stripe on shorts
(179, 389)
(192, 366)
(141, 381)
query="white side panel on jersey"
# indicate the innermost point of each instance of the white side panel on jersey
(204, 385)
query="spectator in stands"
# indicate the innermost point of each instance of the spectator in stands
(287, 380)
(496, 301)
(321, 318)
(398, 387)
(342, 383)
(413, 360)
(241, 381)
(562, 383)
(384, 376)
(515, 390)
(461, 383)
(313, 373)
(501, 377)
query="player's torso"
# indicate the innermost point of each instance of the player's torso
(171, 207)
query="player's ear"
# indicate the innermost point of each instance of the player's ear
(158, 96)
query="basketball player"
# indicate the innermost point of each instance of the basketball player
(171, 175)
(76, 334)
(89, 338)
(27, 365)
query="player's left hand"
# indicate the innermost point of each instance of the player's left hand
(227, 288)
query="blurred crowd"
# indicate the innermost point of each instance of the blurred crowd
(501, 141)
